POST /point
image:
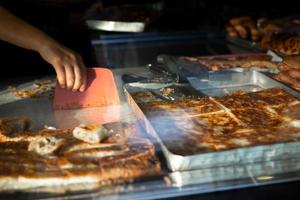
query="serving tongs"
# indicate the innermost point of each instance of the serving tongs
(165, 78)
(184, 70)
(179, 91)
(152, 85)
(158, 69)
(158, 75)
(187, 72)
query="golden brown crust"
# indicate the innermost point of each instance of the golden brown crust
(237, 120)
(292, 61)
(289, 71)
(286, 78)
(113, 160)
(286, 43)
(217, 63)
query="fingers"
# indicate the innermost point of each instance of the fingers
(69, 67)
(84, 79)
(61, 77)
(79, 75)
(83, 87)
(78, 78)
(84, 75)
(70, 76)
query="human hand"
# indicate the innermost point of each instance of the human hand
(69, 66)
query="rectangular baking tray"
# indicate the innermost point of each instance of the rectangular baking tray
(250, 45)
(222, 83)
(114, 19)
(226, 82)
(247, 44)
(260, 173)
(174, 63)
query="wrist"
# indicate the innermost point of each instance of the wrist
(44, 43)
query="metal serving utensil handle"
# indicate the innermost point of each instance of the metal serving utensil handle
(276, 57)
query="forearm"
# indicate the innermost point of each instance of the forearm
(20, 33)
(68, 65)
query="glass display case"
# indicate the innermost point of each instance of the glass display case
(136, 59)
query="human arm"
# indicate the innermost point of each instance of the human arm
(69, 66)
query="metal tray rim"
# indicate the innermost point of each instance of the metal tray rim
(237, 156)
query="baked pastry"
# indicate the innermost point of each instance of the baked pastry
(55, 158)
(91, 133)
(241, 119)
(217, 63)
(289, 71)
(286, 43)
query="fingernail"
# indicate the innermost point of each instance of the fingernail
(73, 90)
(82, 89)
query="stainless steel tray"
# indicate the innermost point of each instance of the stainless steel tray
(226, 82)
(244, 174)
(105, 25)
(250, 45)
(219, 84)
(247, 44)
(125, 18)
(174, 63)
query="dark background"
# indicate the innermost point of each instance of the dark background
(64, 20)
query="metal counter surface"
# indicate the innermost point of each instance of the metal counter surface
(210, 179)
